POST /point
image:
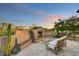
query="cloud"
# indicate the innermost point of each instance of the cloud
(50, 19)
(47, 25)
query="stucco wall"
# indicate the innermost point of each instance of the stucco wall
(22, 35)
(47, 33)
(2, 43)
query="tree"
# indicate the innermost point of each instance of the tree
(70, 24)
(59, 26)
(34, 25)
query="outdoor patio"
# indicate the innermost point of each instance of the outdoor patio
(39, 49)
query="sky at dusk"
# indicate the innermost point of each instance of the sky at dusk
(41, 14)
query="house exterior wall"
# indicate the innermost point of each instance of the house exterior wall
(47, 33)
(35, 31)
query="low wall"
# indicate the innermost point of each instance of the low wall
(76, 38)
(23, 37)
(3, 42)
(22, 44)
(25, 43)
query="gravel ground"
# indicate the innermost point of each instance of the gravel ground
(39, 49)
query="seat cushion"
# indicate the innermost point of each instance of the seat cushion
(52, 44)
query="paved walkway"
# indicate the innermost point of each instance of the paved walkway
(39, 49)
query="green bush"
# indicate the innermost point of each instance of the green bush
(54, 33)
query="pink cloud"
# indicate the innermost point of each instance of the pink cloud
(53, 17)
(50, 19)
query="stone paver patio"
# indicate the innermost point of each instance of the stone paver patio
(39, 49)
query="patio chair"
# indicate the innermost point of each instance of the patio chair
(56, 45)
